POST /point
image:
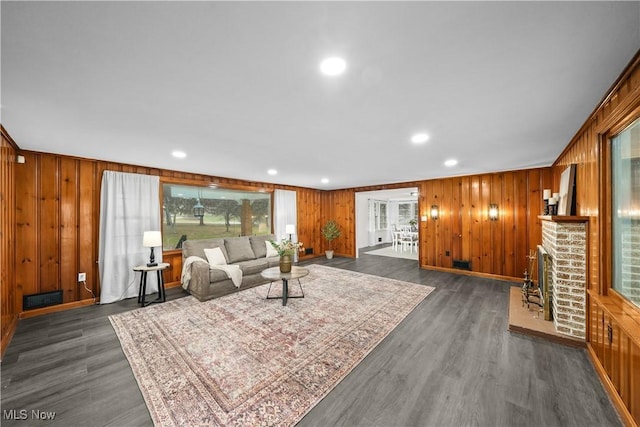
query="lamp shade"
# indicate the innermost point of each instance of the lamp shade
(289, 229)
(152, 239)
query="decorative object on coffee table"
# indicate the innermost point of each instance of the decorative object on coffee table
(286, 250)
(285, 263)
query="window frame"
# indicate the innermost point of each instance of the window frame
(204, 184)
(607, 285)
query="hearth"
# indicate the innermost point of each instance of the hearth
(530, 292)
(540, 294)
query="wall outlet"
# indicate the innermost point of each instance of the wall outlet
(82, 277)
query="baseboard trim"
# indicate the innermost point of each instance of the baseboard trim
(472, 273)
(59, 307)
(8, 336)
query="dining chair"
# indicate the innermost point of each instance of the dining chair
(395, 237)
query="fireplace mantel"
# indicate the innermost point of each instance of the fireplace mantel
(564, 218)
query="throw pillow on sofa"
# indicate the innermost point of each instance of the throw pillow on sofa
(215, 256)
(239, 249)
(271, 251)
(258, 244)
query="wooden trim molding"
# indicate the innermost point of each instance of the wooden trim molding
(60, 307)
(623, 411)
(625, 77)
(471, 273)
(564, 218)
(9, 310)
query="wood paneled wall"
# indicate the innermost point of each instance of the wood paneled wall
(463, 230)
(57, 225)
(57, 220)
(586, 150)
(615, 355)
(58, 208)
(340, 206)
(8, 308)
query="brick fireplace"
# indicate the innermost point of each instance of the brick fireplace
(565, 239)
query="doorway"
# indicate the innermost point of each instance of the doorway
(379, 215)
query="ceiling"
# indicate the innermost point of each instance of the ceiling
(235, 85)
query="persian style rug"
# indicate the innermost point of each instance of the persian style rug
(242, 360)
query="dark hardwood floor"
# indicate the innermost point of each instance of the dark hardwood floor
(451, 362)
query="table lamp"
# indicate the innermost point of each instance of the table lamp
(151, 239)
(289, 229)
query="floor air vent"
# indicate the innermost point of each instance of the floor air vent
(43, 299)
(461, 264)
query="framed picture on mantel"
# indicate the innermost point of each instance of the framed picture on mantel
(566, 204)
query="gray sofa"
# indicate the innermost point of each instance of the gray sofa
(248, 252)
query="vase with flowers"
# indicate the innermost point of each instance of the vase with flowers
(286, 250)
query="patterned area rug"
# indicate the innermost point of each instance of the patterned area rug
(246, 361)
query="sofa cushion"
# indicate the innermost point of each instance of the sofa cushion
(273, 261)
(254, 266)
(196, 247)
(259, 246)
(215, 256)
(217, 275)
(238, 249)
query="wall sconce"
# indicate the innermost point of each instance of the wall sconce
(493, 212)
(435, 213)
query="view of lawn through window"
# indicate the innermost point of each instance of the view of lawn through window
(191, 212)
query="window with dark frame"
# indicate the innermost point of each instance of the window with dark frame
(201, 212)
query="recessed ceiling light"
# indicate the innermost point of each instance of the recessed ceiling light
(325, 180)
(333, 66)
(451, 162)
(419, 138)
(179, 154)
(272, 172)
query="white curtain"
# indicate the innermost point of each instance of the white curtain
(285, 212)
(129, 206)
(372, 222)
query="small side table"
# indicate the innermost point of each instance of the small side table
(143, 282)
(274, 273)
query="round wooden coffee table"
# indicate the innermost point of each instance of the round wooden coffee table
(274, 274)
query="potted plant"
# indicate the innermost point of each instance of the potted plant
(286, 250)
(330, 231)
